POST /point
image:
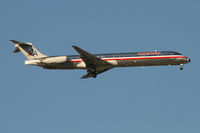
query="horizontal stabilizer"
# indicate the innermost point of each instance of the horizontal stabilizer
(14, 41)
(20, 43)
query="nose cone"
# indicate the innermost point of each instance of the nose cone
(188, 59)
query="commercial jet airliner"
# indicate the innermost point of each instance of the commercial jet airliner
(98, 63)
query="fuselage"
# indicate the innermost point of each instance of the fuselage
(132, 59)
(98, 63)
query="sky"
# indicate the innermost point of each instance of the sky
(154, 99)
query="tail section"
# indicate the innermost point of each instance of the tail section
(28, 50)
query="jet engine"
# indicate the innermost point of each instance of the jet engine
(55, 60)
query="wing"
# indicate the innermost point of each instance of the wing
(94, 64)
(90, 59)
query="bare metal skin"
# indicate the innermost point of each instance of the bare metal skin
(98, 63)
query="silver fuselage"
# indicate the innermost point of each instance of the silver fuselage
(116, 60)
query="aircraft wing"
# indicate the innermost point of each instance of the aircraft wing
(90, 59)
(94, 64)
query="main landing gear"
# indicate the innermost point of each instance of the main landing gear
(94, 75)
(181, 66)
(92, 72)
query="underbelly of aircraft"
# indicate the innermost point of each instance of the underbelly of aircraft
(119, 63)
(157, 62)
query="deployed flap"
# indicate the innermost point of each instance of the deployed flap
(90, 59)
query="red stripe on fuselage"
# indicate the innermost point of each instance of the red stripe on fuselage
(138, 58)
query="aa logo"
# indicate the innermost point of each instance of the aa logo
(32, 52)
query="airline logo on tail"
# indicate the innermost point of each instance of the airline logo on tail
(32, 52)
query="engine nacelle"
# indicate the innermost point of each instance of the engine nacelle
(53, 60)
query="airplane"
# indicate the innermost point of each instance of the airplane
(98, 63)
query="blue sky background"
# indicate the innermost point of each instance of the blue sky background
(123, 100)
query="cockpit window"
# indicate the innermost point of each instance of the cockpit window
(170, 53)
(176, 53)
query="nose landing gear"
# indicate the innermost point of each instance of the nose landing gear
(181, 66)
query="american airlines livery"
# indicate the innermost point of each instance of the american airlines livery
(98, 63)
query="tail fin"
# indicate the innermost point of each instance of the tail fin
(28, 50)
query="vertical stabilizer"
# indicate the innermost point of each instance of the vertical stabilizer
(28, 50)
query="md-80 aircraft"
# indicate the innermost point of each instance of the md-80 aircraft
(98, 63)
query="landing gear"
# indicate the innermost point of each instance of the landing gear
(181, 66)
(94, 75)
(90, 73)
